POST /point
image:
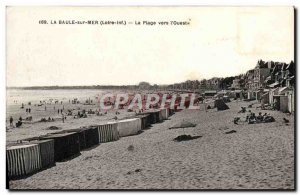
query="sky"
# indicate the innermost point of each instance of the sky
(218, 42)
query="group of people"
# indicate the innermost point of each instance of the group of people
(251, 118)
(266, 118)
(28, 110)
(18, 124)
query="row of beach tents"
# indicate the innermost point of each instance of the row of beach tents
(31, 155)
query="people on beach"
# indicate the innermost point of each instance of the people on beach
(11, 120)
(19, 123)
(259, 117)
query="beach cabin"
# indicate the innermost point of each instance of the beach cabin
(272, 93)
(145, 120)
(289, 100)
(284, 103)
(128, 127)
(46, 148)
(81, 136)
(280, 103)
(92, 136)
(154, 116)
(66, 145)
(265, 98)
(108, 132)
(164, 113)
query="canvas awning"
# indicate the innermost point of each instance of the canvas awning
(273, 84)
(283, 90)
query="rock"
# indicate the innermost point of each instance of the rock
(185, 138)
(138, 170)
(286, 120)
(130, 148)
(229, 132)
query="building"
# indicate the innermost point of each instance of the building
(261, 72)
(236, 84)
(281, 84)
(255, 79)
(213, 83)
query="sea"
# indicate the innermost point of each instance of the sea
(19, 96)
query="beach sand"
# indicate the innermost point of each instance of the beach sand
(36, 128)
(257, 156)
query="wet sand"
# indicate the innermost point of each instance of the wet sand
(257, 156)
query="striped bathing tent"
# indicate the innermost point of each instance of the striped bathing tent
(65, 144)
(22, 160)
(46, 152)
(128, 127)
(108, 132)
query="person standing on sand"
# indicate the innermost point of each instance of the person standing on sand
(57, 111)
(11, 120)
(45, 108)
(29, 110)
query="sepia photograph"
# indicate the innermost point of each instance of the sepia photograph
(150, 98)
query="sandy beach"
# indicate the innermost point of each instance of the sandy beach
(185, 97)
(256, 156)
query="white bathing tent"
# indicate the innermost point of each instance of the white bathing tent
(128, 127)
